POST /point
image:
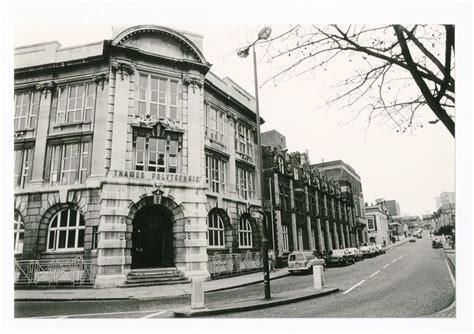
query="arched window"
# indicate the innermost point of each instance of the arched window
(66, 231)
(216, 230)
(281, 165)
(19, 233)
(245, 233)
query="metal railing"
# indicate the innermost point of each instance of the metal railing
(75, 272)
(220, 265)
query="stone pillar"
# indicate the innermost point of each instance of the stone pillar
(41, 135)
(120, 121)
(336, 235)
(342, 235)
(195, 140)
(348, 238)
(98, 163)
(279, 230)
(321, 246)
(328, 235)
(311, 240)
(293, 217)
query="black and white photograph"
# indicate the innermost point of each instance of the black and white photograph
(251, 167)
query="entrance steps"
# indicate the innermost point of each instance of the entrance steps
(155, 276)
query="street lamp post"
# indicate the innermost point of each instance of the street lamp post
(243, 53)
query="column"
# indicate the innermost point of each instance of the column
(120, 123)
(336, 235)
(321, 246)
(41, 135)
(293, 217)
(279, 231)
(348, 238)
(342, 235)
(328, 235)
(308, 219)
(98, 163)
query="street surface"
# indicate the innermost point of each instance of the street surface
(412, 280)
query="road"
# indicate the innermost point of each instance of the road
(408, 281)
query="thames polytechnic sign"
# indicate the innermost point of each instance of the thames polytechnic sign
(138, 174)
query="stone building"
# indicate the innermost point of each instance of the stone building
(378, 220)
(310, 211)
(344, 175)
(130, 153)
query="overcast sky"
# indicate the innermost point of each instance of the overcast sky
(412, 169)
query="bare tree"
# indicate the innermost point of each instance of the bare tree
(398, 69)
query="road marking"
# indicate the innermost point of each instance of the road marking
(399, 257)
(394, 261)
(355, 286)
(154, 314)
(375, 273)
(88, 314)
(385, 266)
(450, 273)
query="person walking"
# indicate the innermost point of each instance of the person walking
(271, 260)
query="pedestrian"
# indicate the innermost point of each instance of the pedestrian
(271, 260)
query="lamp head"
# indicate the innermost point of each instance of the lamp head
(243, 53)
(265, 33)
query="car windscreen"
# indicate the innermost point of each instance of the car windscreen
(299, 257)
(291, 258)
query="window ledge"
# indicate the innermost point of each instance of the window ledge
(245, 247)
(71, 124)
(68, 250)
(216, 247)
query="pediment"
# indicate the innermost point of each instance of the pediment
(160, 41)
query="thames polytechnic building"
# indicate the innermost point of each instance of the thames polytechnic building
(130, 154)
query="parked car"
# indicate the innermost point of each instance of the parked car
(339, 257)
(303, 261)
(380, 249)
(436, 243)
(356, 253)
(412, 239)
(368, 251)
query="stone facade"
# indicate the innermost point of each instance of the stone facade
(124, 125)
(311, 212)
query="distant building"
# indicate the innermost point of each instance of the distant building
(273, 138)
(445, 198)
(444, 216)
(393, 207)
(344, 175)
(378, 223)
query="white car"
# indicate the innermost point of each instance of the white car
(356, 253)
(368, 251)
(303, 261)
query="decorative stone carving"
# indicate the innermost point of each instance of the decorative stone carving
(146, 121)
(157, 193)
(101, 79)
(123, 68)
(192, 81)
(46, 87)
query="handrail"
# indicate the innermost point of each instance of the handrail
(75, 271)
(221, 265)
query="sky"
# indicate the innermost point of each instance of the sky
(412, 169)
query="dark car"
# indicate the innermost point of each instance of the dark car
(412, 239)
(339, 257)
(436, 243)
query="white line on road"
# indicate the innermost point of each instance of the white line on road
(355, 286)
(450, 273)
(375, 273)
(154, 314)
(385, 266)
(394, 261)
(88, 314)
(399, 257)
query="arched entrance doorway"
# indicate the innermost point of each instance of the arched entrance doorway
(152, 237)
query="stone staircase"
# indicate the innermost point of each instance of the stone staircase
(155, 276)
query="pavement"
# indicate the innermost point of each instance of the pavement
(143, 293)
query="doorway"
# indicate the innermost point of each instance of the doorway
(152, 238)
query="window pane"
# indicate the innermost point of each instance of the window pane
(54, 223)
(72, 217)
(71, 239)
(80, 241)
(63, 221)
(62, 239)
(81, 221)
(51, 240)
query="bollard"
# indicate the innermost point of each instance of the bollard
(318, 277)
(197, 293)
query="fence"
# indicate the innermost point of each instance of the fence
(75, 271)
(221, 265)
